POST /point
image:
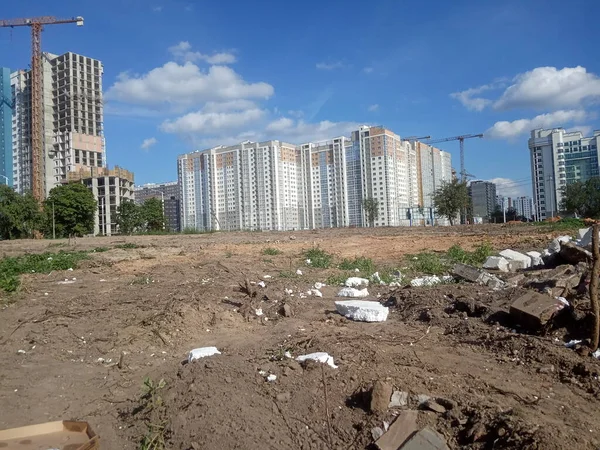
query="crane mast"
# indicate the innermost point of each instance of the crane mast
(37, 94)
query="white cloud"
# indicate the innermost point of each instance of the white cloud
(510, 130)
(280, 124)
(148, 143)
(296, 113)
(184, 86)
(300, 131)
(368, 70)
(468, 99)
(330, 65)
(551, 88)
(211, 122)
(507, 187)
(232, 105)
(586, 130)
(373, 107)
(183, 51)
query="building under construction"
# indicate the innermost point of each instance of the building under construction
(73, 119)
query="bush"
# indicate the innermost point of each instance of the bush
(318, 258)
(361, 263)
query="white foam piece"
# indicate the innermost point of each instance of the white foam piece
(353, 292)
(431, 281)
(362, 310)
(202, 352)
(356, 282)
(322, 357)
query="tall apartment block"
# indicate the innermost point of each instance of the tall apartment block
(435, 169)
(6, 106)
(249, 186)
(559, 158)
(483, 198)
(73, 119)
(170, 194)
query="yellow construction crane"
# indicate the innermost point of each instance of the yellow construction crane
(37, 94)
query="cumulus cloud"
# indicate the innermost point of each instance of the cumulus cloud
(185, 85)
(148, 143)
(551, 88)
(211, 122)
(300, 131)
(183, 51)
(330, 65)
(510, 130)
(373, 107)
(470, 100)
(507, 187)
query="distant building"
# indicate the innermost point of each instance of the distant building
(524, 207)
(110, 187)
(435, 169)
(483, 198)
(6, 106)
(169, 193)
(559, 158)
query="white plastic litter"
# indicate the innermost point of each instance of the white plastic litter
(261, 284)
(596, 354)
(356, 282)
(318, 285)
(66, 282)
(357, 270)
(289, 291)
(431, 281)
(315, 293)
(70, 269)
(362, 310)
(298, 272)
(572, 343)
(267, 277)
(308, 262)
(202, 352)
(563, 300)
(271, 377)
(258, 311)
(321, 357)
(353, 292)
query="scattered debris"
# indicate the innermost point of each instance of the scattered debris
(380, 396)
(574, 254)
(431, 281)
(433, 406)
(426, 439)
(308, 262)
(422, 398)
(362, 310)
(353, 292)
(258, 311)
(475, 275)
(496, 263)
(315, 293)
(202, 352)
(376, 433)
(321, 357)
(356, 282)
(261, 284)
(399, 399)
(67, 281)
(319, 285)
(516, 259)
(298, 272)
(286, 311)
(536, 259)
(271, 377)
(399, 431)
(534, 310)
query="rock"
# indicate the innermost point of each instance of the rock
(496, 263)
(284, 397)
(356, 282)
(554, 246)
(475, 275)
(546, 369)
(491, 281)
(321, 357)
(286, 311)
(399, 399)
(399, 431)
(433, 406)
(536, 259)
(292, 238)
(380, 396)
(376, 433)
(426, 439)
(534, 310)
(202, 352)
(515, 280)
(574, 254)
(353, 292)
(362, 310)
(512, 255)
(421, 398)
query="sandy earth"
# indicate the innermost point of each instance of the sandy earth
(502, 386)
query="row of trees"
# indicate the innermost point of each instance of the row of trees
(70, 210)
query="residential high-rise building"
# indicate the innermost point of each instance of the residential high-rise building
(483, 198)
(524, 207)
(170, 194)
(73, 120)
(276, 186)
(6, 106)
(559, 158)
(249, 186)
(110, 187)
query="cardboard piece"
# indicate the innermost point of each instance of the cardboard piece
(63, 435)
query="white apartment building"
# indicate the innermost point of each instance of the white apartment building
(435, 169)
(73, 119)
(558, 158)
(249, 186)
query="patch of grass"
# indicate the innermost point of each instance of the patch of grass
(566, 224)
(128, 246)
(287, 274)
(12, 267)
(365, 265)
(100, 249)
(228, 254)
(271, 251)
(457, 254)
(268, 260)
(337, 279)
(141, 279)
(319, 258)
(152, 406)
(427, 263)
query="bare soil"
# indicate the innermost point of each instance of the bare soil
(81, 350)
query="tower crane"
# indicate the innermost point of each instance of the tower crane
(461, 139)
(37, 94)
(415, 138)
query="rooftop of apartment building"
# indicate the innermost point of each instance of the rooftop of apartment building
(98, 172)
(154, 185)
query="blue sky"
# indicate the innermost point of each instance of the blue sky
(185, 75)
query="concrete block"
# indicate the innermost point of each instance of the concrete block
(512, 255)
(536, 259)
(426, 439)
(535, 310)
(466, 272)
(362, 310)
(582, 232)
(554, 246)
(399, 399)
(356, 282)
(496, 263)
(353, 292)
(399, 432)
(516, 265)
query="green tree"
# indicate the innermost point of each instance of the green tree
(74, 210)
(582, 198)
(129, 217)
(450, 199)
(20, 215)
(371, 207)
(153, 214)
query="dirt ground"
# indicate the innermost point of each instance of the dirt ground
(82, 350)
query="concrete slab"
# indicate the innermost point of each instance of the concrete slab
(400, 430)
(426, 439)
(353, 292)
(513, 255)
(496, 263)
(362, 310)
(536, 259)
(534, 309)
(516, 265)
